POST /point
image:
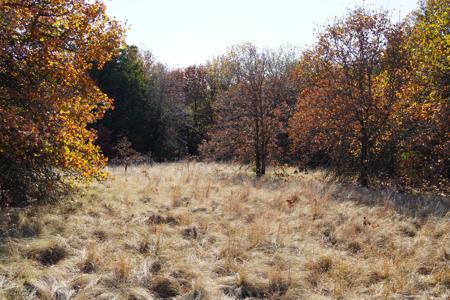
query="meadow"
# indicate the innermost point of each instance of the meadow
(191, 230)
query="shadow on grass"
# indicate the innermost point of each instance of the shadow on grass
(415, 206)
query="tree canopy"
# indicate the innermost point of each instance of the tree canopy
(47, 97)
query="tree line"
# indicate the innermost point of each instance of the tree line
(368, 100)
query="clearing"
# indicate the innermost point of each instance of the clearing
(193, 230)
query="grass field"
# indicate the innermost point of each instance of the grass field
(210, 231)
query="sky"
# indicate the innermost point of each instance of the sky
(186, 32)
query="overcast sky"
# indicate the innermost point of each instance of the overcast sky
(185, 32)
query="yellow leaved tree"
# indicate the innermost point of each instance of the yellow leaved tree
(47, 99)
(424, 160)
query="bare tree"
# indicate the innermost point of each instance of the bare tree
(248, 111)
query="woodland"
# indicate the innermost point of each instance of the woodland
(368, 101)
(320, 173)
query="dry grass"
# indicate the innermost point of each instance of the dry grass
(209, 231)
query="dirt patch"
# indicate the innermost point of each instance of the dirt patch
(164, 287)
(354, 247)
(100, 235)
(244, 291)
(48, 256)
(424, 270)
(161, 219)
(190, 233)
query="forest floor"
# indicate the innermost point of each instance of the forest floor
(210, 231)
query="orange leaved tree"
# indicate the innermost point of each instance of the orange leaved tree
(349, 99)
(47, 99)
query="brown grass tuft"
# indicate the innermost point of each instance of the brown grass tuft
(91, 262)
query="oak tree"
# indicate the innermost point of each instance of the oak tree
(47, 98)
(351, 82)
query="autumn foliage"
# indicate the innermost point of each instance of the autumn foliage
(368, 100)
(424, 157)
(350, 96)
(47, 99)
(374, 98)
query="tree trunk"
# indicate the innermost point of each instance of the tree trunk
(263, 166)
(257, 157)
(263, 154)
(258, 167)
(363, 171)
(257, 142)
